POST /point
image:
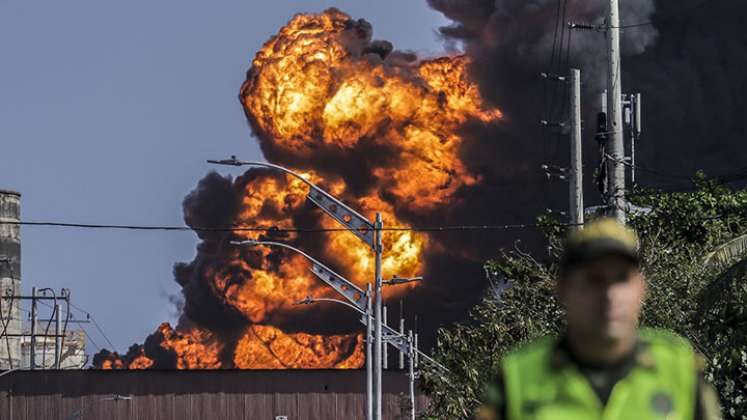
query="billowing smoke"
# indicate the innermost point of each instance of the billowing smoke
(687, 64)
(694, 89)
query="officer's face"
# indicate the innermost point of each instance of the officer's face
(603, 298)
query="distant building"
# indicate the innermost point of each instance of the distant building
(10, 279)
(15, 349)
(72, 356)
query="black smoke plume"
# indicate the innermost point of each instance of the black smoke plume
(687, 63)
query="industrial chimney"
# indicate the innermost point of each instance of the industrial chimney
(10, 279)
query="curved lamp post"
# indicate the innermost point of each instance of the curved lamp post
(365, 230)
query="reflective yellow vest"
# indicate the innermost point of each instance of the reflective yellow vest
(664, 389)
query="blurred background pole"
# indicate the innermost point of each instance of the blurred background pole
(616, 168)
(576, 184)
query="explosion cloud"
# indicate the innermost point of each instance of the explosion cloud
(376, 127)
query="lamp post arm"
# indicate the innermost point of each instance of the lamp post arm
(341, 302)
(349, 218)
(349, 290)
(234, 162)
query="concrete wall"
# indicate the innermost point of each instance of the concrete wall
(195, 395)
(10, 278)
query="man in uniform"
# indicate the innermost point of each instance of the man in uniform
(603, 366)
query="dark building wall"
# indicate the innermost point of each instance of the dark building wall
(196, 395)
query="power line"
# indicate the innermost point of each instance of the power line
(551, 69)
(273, 229)
(649, 170)
(88, 336)
(96, 324)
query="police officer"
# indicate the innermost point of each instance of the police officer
(603, 366)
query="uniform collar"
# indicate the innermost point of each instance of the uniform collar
(561, 357)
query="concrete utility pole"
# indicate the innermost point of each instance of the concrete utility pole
(615, 168)
(32, 355)
(378, 348)
(576, 184)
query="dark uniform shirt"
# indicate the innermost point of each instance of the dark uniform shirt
(602, 379)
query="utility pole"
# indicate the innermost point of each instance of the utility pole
(411, 375)
(378, 385)
(32, 355)
(616, 168)
(34, 335)
(576, 210)
(385, 355)
(369, 356)
(402, 332)
(57, 339)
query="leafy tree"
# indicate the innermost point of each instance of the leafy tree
(703, 301)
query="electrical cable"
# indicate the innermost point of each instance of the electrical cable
(550, 68)
(558, 89)
(96, 324)
(645, 169)
(277, 229)
(561, 91)
(89, 338)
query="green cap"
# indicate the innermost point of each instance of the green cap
(598, 239)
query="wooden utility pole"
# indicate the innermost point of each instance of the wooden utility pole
(615, 168)
(576, 185)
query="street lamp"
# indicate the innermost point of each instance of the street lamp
(356, 299)
(368, 232)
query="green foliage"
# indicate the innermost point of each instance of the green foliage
(705, 302)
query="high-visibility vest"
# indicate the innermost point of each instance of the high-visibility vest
(663, 389)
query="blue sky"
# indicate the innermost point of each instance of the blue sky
(108, 111)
